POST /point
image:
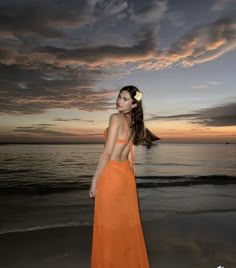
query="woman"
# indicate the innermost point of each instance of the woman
(118, 240)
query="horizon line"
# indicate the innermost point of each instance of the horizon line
(100, 142)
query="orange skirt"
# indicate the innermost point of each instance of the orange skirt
(118, 240)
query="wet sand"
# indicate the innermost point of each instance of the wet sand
(186, 241)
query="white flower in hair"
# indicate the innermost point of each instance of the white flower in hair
(138, 95)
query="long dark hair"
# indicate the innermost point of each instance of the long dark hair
(138, 128)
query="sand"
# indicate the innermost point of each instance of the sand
(191, 241)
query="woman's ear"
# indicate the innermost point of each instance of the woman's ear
(134, 105)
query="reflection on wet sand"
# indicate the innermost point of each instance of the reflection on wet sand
(193, 241)
(188, 241)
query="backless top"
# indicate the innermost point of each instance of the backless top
(123, 141)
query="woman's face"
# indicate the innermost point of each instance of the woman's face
(124, 102)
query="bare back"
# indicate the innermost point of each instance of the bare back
(121, 142)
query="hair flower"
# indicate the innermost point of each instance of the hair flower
(138, 95)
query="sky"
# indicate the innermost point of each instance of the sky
(62, 64)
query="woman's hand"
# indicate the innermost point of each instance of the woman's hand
(92, 189)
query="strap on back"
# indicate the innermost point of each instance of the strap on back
(130, 145)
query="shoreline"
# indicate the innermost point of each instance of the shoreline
(203, 240)
(102, 142)
(166, 218)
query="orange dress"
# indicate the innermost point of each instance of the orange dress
(118, 240)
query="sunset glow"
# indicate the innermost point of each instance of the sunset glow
(62, 66)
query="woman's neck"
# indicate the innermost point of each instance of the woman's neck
(128, 118)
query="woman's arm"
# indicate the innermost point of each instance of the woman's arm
(107, 152)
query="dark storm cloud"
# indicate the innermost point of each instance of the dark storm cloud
(224, 115)
(30, 91)
(203, 43)
(33, 83)
(103, 54)
(33, 23)
(43, 18)
(44, 65)
(219, 116)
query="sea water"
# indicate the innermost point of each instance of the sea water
(46, 185)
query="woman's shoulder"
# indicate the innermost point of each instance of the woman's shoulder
(115, 118)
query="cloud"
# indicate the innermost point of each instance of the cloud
(73, 119)
(46, 62)
(214, 83)
(106, 7)
(176, 18)
(207, 42)
(31, 40)
(224, 115)
(221, 5)
(199, 86)
(93, 57)
(46, 18)
(111, 8)
(74, 90)
(171, 117)
(151, 13)
(42, 131)
(219, 116)
(206, 85)
(44, 125)
(36, 78)
(204, 43)
(37, 132)
(101, 54)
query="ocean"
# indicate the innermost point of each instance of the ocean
(46, 185)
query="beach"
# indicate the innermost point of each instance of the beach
(201, 240)
(111, 110)
(186, 195)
